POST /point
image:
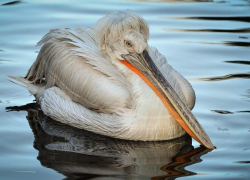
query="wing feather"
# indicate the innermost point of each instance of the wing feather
(71, 60)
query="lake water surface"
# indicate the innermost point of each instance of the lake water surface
(207, 41)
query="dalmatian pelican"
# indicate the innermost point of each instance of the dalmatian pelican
(108, 80)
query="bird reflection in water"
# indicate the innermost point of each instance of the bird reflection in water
(79, 154)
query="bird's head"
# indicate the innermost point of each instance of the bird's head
(121, 33)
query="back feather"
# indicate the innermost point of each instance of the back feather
(77, 53)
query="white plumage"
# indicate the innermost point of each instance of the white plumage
(78, 79)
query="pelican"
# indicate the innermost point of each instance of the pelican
(109, 81)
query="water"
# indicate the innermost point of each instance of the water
(207, 41)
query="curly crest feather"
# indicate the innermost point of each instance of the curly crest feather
(113, 26)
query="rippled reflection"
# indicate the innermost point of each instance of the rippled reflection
(242, 30)
(236, 43)
(229, 112)
(239, 62)
(222, 111)
(244, 162)
(221, 78)
(10, 3)
(220, 18)
(228, 43)
(2, 61)
(80, 154)
(172, 1)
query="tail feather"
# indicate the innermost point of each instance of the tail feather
(33, 88)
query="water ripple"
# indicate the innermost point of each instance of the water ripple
(239, 62)
(222, 111)
(227, 43)
(236, 43)
(11, 3)
(229, 18)
(221, 78)
(241, 30)
(243, 162)
(174, 1)
(229, 112)
(2, 61)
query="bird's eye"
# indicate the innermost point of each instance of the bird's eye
(128, 44)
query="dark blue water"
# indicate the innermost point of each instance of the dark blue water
(207, 41)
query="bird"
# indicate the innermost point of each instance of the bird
(107, 79)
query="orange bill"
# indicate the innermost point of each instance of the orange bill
(144, 67)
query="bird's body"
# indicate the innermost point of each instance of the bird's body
(79, 78)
